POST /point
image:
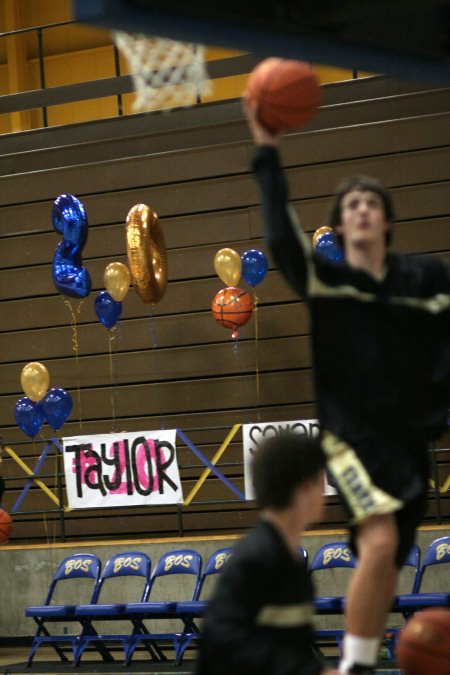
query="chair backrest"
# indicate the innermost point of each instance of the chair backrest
(214, 565)
(127, 564)
(333, 554)
(79, 565)
(181, 561)
(303, 554)
(437, 553)
(412, 560)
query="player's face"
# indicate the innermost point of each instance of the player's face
(363, 222)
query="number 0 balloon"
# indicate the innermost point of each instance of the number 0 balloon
(146, 252)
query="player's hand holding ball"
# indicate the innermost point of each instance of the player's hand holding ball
(281, 95)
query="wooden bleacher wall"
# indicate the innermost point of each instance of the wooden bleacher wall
(192, 167)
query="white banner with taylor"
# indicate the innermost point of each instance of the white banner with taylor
(125, 469)
(254, 434)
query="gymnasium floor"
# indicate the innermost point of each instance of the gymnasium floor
(13, 660)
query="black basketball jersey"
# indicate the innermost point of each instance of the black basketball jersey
(258, 622)
(381, 347)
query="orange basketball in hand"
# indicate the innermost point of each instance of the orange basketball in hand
(5, 525)
(424, 643)
(232, 307)
(286, 92)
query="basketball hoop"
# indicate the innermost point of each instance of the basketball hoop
(166, 73)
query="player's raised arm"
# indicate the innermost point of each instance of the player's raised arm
(289, 245)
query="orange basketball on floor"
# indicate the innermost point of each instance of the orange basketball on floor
(5, 525)
(424, 643)
(287, 93)
(232, 307)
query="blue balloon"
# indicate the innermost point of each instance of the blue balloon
(57, 405)
(107, 309)
(254, 266)
(69, 219)
(328, 247)
(29, 416)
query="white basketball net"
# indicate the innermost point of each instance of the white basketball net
(166, 74)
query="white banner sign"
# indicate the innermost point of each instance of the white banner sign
(254, 434)
(126, 469)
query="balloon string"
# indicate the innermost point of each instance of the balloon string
(235, 337)
(75, 348)
(258, 398)
(154, 342)
(111, 340)
(61, 506)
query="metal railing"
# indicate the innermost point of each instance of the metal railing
(436, 493)
(116, 86)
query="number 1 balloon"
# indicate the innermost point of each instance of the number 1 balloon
(69, 219)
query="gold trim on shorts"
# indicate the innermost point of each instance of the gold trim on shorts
(362, 495)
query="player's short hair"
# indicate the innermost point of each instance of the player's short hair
(362, 184)
(281, 464)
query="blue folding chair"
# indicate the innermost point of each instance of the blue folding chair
(130, 563)
(303, 554)
(191, 610)
(331, 556)
(391, 633)
(78, 566)
(413, 560)
(180, 562)
(437, 553)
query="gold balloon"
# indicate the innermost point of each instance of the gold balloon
(319, 232)
(117, 280)
(35, 380)
(146, 252)
(228, 266)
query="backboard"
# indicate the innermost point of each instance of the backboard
(402, 38)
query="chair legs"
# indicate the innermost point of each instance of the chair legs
(141, 634)
(87, 636)
(47, 638)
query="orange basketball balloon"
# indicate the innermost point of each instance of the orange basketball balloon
(232, 307)
(5, 525)
(286, 92)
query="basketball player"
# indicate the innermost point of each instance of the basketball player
(258, 622)
(381, 345)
